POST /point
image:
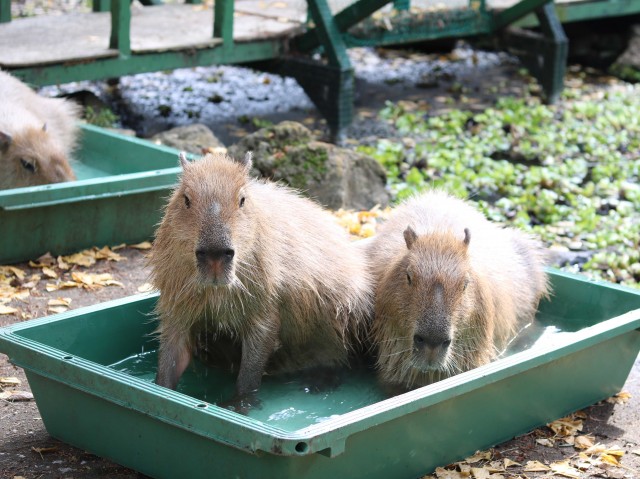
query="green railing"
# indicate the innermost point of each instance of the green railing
(330, 84)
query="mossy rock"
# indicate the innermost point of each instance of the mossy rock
(335, 177)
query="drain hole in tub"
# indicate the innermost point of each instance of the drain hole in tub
(67, 358)
(302, 447)
(201, 405)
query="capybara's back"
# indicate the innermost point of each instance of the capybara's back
(254, 261)
(37, 136)
(452, 289)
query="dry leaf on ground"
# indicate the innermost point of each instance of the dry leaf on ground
(12, 270)
(7, 309)
(16, 396)
(479, 456)
(535, 466)
(59, 302)
(546, 442)
(143, 245)
(583, 442)
(49, 272)
(6, 382)
(566, 426)
(563, 468)
(620, 398)
(145, 288)
(85, 258)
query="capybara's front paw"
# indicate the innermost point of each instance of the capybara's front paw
(242, 404)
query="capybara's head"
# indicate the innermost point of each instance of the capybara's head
(423, 303)
(210, 213)
(31, 158)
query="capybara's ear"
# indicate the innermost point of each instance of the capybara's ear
(410, 236)
(247, 162)
(467, 236)
(183, 160)
(5, 141)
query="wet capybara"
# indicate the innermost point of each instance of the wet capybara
(451, 289)
(37, 136)
(254, 262)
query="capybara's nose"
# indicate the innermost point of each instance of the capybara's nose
(422, 341)
(215, 254)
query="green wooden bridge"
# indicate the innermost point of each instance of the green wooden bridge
(282, 36)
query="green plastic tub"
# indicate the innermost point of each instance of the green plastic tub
(122, 186)
(91, 373)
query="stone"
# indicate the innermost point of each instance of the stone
(335, 177)
(627, 66)
(197, 139)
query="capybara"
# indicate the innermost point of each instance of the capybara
(451, 289)
(254, 263)
(37, 136)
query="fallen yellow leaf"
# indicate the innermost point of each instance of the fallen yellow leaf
(49, 272)
(535, 466)
(545, 442)
(84, 258)
(609, 459)
(57, 309)
(145, 288)
(583, 442)
(442, 473)
(620, 398)
(563, 468)
(90, 280)
(567, 426)
(59, 302)
(62, 285)
(106, 253)
(10, 382)
(120, 246)
(12, 270)
(479, 456)
(7, 309)
(510, 463)
(143, 245)
(480, 473)
(62, 264)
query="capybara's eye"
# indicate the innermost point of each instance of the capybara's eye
(408, 278)
(241, 202)
(27, 165)
(187, 201)
(465, 284)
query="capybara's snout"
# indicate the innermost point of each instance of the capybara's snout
(215, 263)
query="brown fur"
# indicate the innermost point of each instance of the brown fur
(453, 277)
(37, 136)
(293, 296)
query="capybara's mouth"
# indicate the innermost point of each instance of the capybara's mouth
(216, 278)
(426, 364)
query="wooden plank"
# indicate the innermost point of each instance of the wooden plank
(74, 37)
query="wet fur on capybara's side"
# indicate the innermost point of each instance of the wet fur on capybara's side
(255, 262)
(37, 136)
(446, 275)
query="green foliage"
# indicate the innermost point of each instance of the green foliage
(568, 173)
(102, 117)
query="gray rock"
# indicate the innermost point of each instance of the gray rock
(627, 66)
(335, 177)
(194, 138)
